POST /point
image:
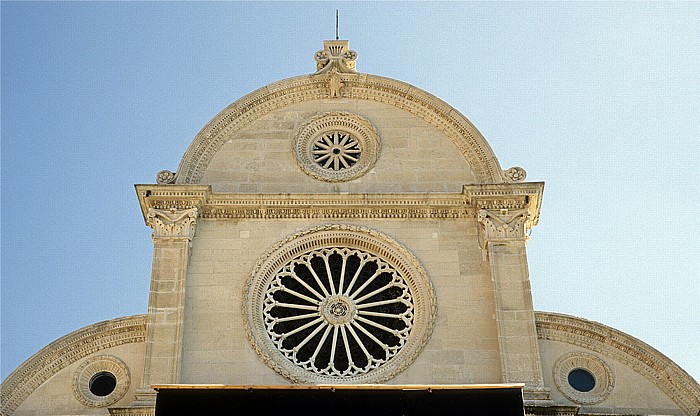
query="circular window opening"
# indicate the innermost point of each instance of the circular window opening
(581, 380)
(103, 384)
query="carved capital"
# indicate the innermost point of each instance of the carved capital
(173, 222)
(503, 225)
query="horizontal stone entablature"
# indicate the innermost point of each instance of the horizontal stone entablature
(499, 197)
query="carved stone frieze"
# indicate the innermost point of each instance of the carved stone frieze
(173, 222)
(497, 197)
(133, 411)
(614, 344)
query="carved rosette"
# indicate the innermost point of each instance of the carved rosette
(515, 174)
(173, 222)
(165, 177)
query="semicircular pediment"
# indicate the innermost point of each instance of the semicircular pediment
(419, 104)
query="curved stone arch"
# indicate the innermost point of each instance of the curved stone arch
(65, 351)
(470, 142)
(639, 356)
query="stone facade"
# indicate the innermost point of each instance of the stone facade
(344, 228)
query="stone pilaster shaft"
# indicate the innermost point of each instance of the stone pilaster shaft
(504, 237)
(173, 230)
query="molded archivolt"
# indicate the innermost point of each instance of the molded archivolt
(635, 354)
(251, 107)
(65, 351)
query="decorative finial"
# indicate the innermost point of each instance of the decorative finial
(336, 24)
(335, 54)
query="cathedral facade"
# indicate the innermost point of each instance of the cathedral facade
(351, 231)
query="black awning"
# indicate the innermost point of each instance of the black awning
(381, 400)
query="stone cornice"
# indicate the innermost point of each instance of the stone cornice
(609, 342)
(337, 206)
(468, 140)
(65, 351)
(507, 201)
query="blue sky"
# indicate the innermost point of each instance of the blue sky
(599, 100)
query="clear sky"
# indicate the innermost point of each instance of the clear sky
(599, 100)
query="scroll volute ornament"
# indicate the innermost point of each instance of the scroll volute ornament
(335, 55)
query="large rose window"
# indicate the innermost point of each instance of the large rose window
(358, 310)
(338, 311)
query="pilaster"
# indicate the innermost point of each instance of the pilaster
(506, 214)
(173, 230)
(173, 219)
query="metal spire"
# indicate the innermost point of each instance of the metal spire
(336, 24)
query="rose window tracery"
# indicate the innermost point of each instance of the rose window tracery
(339, 304)
(338, 311)
(336, 146)
(336, 151)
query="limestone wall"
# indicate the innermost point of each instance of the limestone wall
(463, 348)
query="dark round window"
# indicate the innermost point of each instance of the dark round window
(103, 383)
(581, 380)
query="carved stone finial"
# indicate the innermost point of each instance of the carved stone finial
(173, 222)
(335, 55)
(165, 177)
(515, 174)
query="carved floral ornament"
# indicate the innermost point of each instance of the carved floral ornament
(339, 304)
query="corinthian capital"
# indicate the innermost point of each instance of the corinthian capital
(173, 222)
(503, 224)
